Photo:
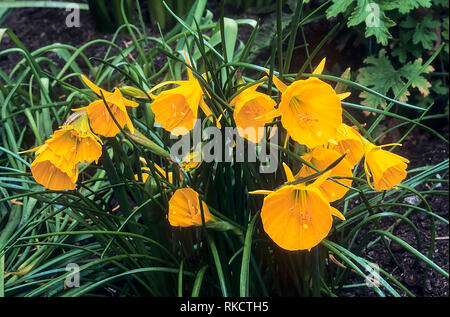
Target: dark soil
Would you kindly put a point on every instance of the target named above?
(39, 27)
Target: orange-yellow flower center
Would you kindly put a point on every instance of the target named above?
(297, 109)
(252, 109)
(300, 208)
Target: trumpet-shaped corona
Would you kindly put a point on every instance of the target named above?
(250, 106)
(297, 217)
(321, 158)
(177, 108)
(53, 171)
(386, 169)
(348, 141)
(184, 209)
(56, 166)
(100, 118)
(310, 109)
(76, 142)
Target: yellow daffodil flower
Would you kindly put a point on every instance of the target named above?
(52, 170)
(250, 106)
(76, 142)
(321, 158)
(310, 109)
(387, 169)
(100, 119)
(146, 172)
(184, 209)
(55, 167)
(297, 217)
(176, 109)
(348, 141)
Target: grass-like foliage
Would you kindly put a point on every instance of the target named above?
(114, 224)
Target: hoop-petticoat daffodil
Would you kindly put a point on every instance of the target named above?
(386, 169)
(321, 158)
(184, 209)
(310, 109)
(100, 118)
(176, 109)
(297, 217)
(76, 142)
(53, 171)
(56, 165)
(348, 141)
(250, 106)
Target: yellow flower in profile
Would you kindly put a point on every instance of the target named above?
(321, 158)
(310, 109)
(76, 142)
(297, 217)
(184, 209)
(348, 141)
(52, 170)
(55, 167)
(387, 169)
(100, 119)
(250, 106)
(176, 109)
